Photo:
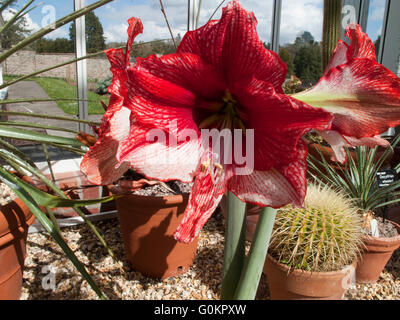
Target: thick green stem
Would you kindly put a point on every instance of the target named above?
(331, 29)
(250, 278)
(235, 237)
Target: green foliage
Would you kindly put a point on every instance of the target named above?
(308, 63)
(322, 237)
(157, 47)
(14, 32)
(14, 37)
(95, 40)
(59, 45)
(357, 178)
(60, 89)
(103, 85)
(285, 56)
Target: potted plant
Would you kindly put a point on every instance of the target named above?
(358, 179)
(29, 197)
(149, 213)
(15, 219)
(314, 250)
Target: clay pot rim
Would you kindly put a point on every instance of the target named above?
(383, 241)
(169, 200)
(29, 220)
(292, 271)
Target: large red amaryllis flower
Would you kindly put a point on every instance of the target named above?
(221, 78)
(363, 95)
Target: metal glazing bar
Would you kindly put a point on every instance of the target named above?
(81, 68)
(389, 51)
(276, 25)
(192, 10)
(363, 14)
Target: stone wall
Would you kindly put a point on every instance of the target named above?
(26, 62)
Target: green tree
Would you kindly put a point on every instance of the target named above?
(285, 56)
(308, 64)
(95, 40)
(13, 33)
(59, 45)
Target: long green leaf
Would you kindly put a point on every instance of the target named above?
(36, 125)
(15, 17)
(4, 85)
(19, 164)
(19, 188)
(46, 116)
(21, 134)
(59, 23)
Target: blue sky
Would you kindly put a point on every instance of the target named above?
(297, 16)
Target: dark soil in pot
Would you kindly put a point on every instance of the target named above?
(149, 214)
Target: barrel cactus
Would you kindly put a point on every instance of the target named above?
(323, 236)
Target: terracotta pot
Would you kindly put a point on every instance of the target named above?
(15, 219)
(375, 257)
(290, 284)
(147, 225)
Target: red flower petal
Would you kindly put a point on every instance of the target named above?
(275, 187)
(187, 71)
(360, 46)
(232, 45)
(100, 161)
(203, 201)
(338, 142)
(161, 160)
(278, 122)
(363, 95)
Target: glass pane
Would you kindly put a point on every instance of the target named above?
(261, 9)
(115, 14)
(300, 39)
(375, 22)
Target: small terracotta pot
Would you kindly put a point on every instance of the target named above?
(291, 284)
(375, 257)
(15, 219)
(147, 225)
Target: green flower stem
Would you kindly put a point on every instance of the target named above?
(235, 237)
(250, 278)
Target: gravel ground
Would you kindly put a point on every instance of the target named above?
(202, 281)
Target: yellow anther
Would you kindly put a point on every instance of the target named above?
(228, 97)
(220, 168)
(205, 166)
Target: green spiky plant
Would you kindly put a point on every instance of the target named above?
(357, 178)
(33, 197)
(323, 236)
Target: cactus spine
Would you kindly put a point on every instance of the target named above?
(331, 29)
(324, 236)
